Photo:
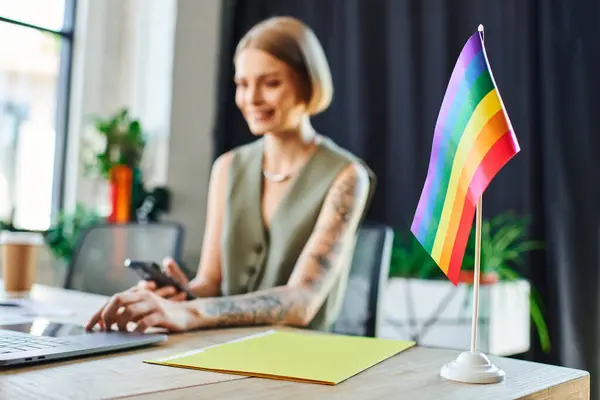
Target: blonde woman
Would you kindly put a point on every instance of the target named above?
(283, 211)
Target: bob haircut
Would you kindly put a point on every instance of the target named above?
(294, 43)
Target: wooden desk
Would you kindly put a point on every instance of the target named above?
(413, 374)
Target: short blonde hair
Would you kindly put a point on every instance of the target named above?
(294, 43)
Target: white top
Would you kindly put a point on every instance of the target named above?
(24, 238)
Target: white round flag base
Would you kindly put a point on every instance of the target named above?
(472, 367)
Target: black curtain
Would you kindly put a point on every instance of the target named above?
(391, 61)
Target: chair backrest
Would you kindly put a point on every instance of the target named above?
(359, 314)
(97, 265)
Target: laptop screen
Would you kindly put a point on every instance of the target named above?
(43, 327)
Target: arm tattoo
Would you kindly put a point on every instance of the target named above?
(280, 305)
(344, 200)
(342, 207)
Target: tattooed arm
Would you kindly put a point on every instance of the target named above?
(293, 304)
(315, 273)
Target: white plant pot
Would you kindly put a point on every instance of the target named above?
(438, 314)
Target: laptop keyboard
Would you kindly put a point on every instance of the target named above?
(11, 342)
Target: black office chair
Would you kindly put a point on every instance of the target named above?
(359, 314)
(97, 265)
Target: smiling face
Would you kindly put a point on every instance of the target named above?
(268, 93)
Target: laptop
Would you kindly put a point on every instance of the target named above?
(39, 340)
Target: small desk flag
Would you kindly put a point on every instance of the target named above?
(473, 140)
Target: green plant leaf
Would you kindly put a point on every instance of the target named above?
(508, 274)
(537, 298)
(529, 246)
(540, 324)
(125, 142)
(62, 237)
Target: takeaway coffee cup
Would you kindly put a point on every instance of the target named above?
(19, 259)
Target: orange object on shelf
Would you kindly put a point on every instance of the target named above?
(121, 180)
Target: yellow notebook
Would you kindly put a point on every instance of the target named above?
(305, 357)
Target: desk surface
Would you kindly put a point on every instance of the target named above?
(413, 373)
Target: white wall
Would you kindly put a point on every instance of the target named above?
(159, 58)
(192, 115)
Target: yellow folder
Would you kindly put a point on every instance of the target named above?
(304, 357)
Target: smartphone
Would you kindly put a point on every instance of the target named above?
(150, 271)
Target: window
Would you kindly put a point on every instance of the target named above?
(35, 62)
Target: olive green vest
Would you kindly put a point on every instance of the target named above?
(256, 258)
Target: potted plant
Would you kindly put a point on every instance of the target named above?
(118, 140)
(64, 234)
(421, 304)
(114, 153)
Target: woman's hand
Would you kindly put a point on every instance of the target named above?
(146, 309)
(170, 268)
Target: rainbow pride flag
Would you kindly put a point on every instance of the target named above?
(473, 140)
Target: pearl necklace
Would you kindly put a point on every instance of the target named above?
(275, 177)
